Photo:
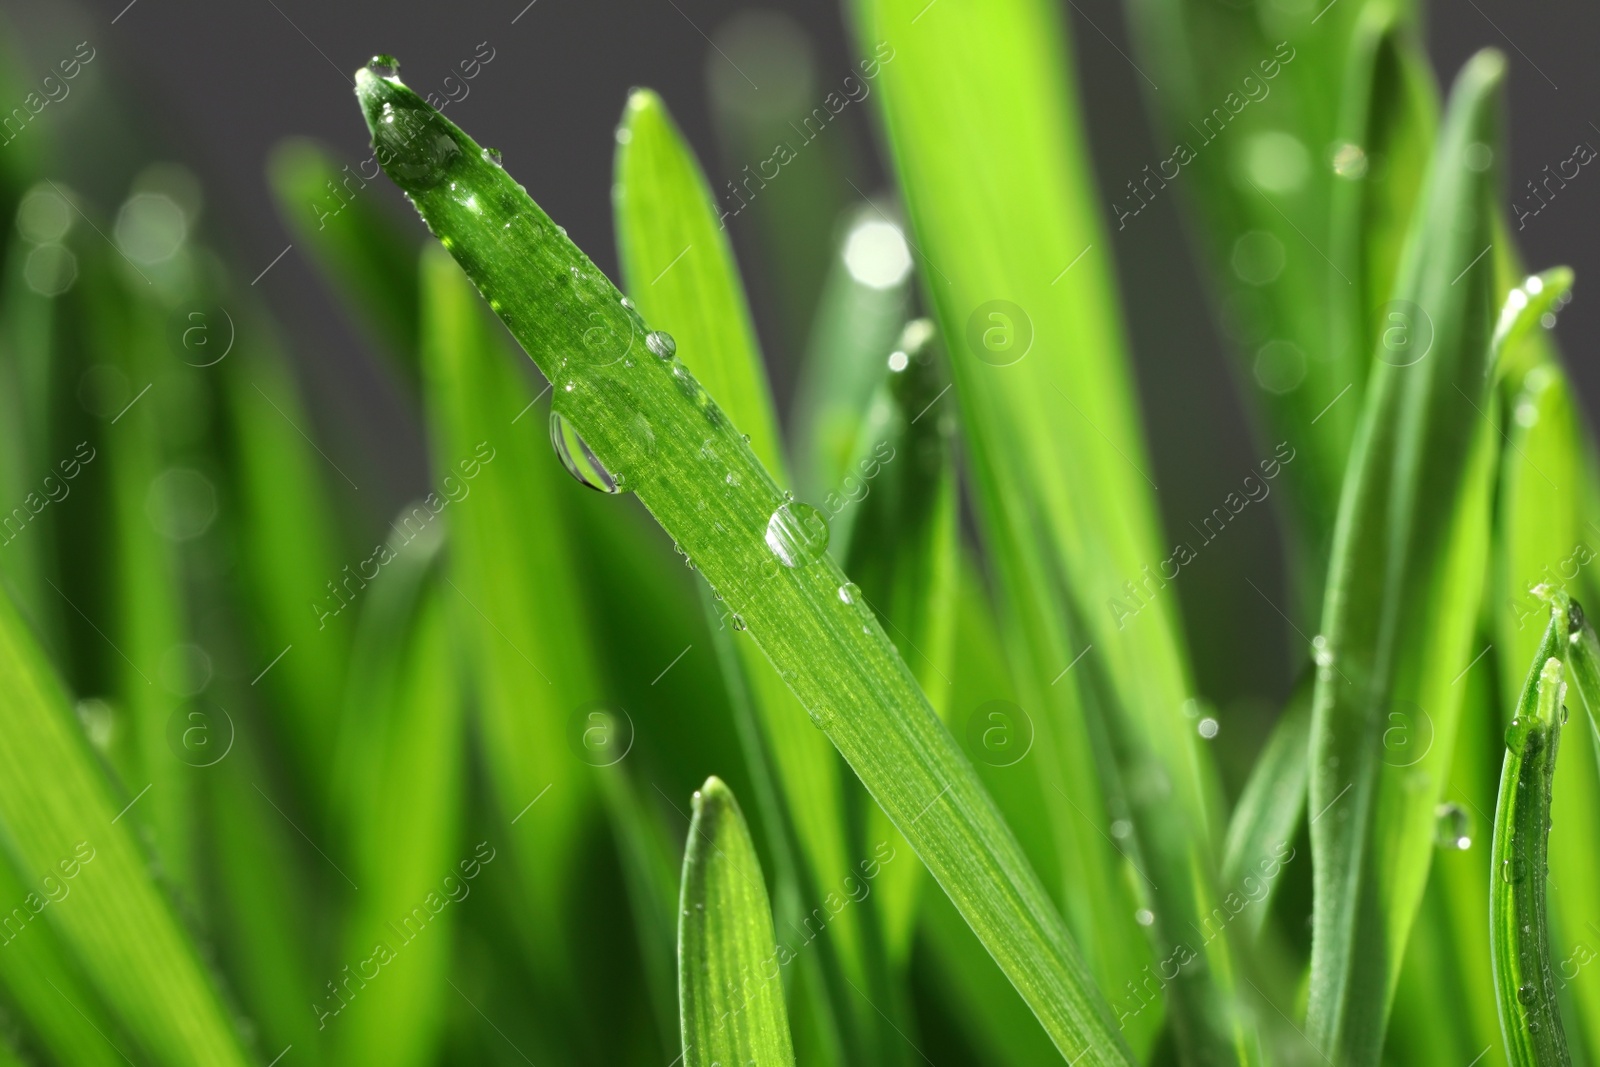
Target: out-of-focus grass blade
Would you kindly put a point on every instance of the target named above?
(1388, 119)
(44, 982)
(1513, 352)
(62, 823)
(148, 617)
(863, 305)
(1267, 817)
(399, 774)
(730, 990)
(353, 240)
(680, 269)
(994, 173)
(513, 584)
(650, 423)
(898, 508)
(1530, 1018)
(1408, 565)
(293, 583)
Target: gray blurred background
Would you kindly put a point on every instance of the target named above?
(216, 85)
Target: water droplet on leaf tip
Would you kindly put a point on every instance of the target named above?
(384, 65)
(661, 343)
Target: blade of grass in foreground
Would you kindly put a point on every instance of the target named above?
(1408, 564)
(730, 989)
(1530, 1019)
(993, 168)
(657, 432)
(60, 818)
(1265, 821)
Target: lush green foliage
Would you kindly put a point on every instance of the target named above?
(285, 778)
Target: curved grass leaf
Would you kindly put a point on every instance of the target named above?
(58, 816)
(1267, 817)
(1530, 1019)
(730, 990)
(679, 267)
(400, 780)
(1409, 556)
(992, 166)
(661, 435)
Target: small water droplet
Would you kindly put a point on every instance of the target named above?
(1533, 1026)
(1144, 917)
(661, 343)
(1526, 993)
(1208, 728)
(1121, 828)
(579, 460)
(1517, 735)
(1563, 715)
(738, 622)
(797, 534)
(849, 592)
(1513, 869)
(627, 303)
(731, 478)
(493, 156)
(1452, 827)
(1575, 617)
(562, 230)
(384, 66)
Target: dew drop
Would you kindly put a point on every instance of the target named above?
(413, 144)
(384, 66)
(1526, 993)
(580, 461)
(1516, 735)
(1513, 869)
(849, 592)
(628, 304)
(738, 622)
(492, 155)
(1208, 728)
(661, 343)
(1144, 917)
(797, 534)
(1452, 827)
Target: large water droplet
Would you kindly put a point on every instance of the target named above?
(384, 66)
(797, 534)
(661, 343)
(576, 456)
(1452, 827)
(413, 144)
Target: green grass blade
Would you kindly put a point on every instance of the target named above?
(730, 989)
(1530, 1018)
(57, 811)
(897, 507)
(865, 300)
(655, 427)
(353, 240)
(1403, 593)
(993, 170)
(1267, 817)
(679, 267)
(400, 776)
